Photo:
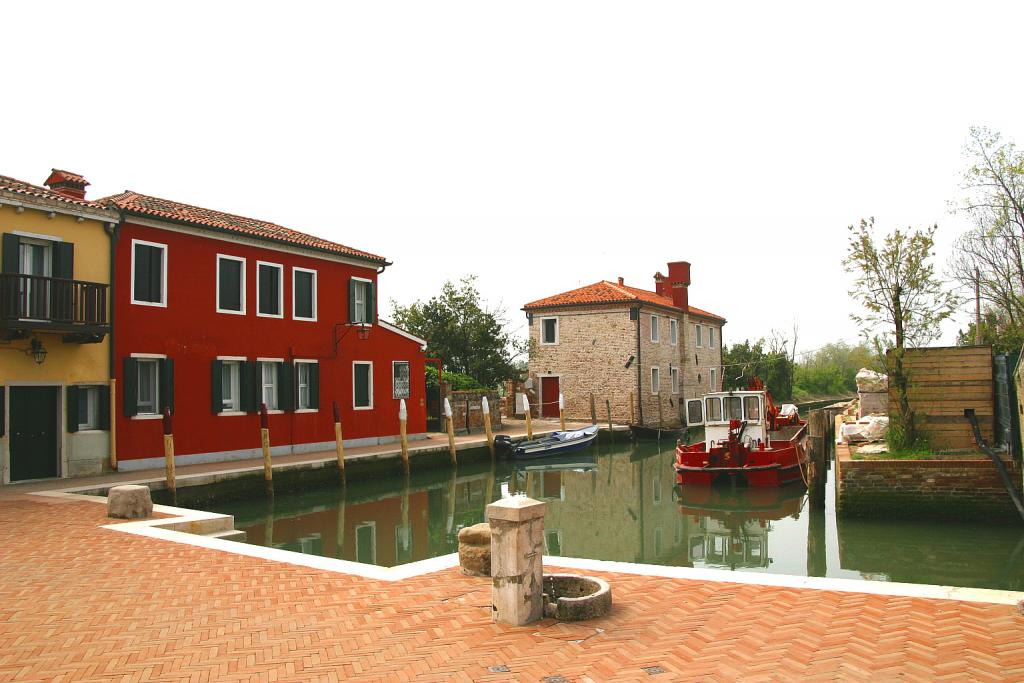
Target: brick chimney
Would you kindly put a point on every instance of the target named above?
(67, 183)
(659, 284)
(679, 284)
(621, 281)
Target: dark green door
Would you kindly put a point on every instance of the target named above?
(33, 427)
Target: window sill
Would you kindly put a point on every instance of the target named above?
(307, 410)
(230, 312)
(90, 430)
(303, 320)
(158, 304)
(270, 315)
(147, 416)
(362, 408)
(231, 413)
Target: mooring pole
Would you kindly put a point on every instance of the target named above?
(451, 431)
(561, 411)
(529, 419)
(172, 484)
(268, 470)
(485, 408)
(339, 442)
(403, 416)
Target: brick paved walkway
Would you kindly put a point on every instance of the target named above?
(78, 602)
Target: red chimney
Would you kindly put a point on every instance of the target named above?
(659, 283)
(621, 281)
(679, 284)
(67, 183)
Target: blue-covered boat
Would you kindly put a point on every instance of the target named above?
(556, 443)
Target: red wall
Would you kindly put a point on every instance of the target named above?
(193, 334)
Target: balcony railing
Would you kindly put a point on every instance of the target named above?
(68, 304)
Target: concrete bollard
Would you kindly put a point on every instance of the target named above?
(517, 549)
(129, 501)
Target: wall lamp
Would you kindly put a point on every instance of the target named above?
(630, 361)
(37, 351)
(363, 332)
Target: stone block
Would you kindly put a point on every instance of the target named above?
(475, 550)
(130, 501)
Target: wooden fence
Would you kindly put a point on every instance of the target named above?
(941, 383)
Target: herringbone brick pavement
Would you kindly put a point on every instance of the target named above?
(78, 602)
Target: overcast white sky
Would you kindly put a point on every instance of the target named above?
(539, 145)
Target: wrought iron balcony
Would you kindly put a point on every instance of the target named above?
(47, 304)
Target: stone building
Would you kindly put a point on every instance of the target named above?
(643, 351)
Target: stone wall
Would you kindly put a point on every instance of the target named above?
(701, 360)
(594, 345)
(925, 489)
(467, 415)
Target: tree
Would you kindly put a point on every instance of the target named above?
(904, 302)
(832, 370)
(989, 259)
(460, 329)
(742, 362)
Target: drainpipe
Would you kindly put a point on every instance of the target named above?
(113, 230)
(639, 371)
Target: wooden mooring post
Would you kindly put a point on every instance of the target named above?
(172, 484)
(561, 411)
(339, 442)
(485, 408)
(451, 431)
(268, 468)
(403, 417)
(817, 452)
(529, 419)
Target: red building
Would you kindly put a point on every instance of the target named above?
(215, 314)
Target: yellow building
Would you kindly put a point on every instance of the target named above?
(55, 325)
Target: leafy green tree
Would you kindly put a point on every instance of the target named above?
(903, 303)
(469, 337)
(743, 362)
(832, 370)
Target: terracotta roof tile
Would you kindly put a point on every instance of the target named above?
(144, 205)
(20, 187)
(605, 292)
(57, 175)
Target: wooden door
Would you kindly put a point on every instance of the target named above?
(34, 433)
(549, 390)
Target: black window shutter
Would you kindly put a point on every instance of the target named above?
(130, 387)
(72, 409)
(12, 253)
(314, 386)
(216, 387)
(246, 375)
(141, 280)
(103, 397)
(167, 384)
(285, 386)
(64, 260)
(352, 301)
(3, 395)
(371, 303)
(156, 267)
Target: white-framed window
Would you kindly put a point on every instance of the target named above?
(548, 331)
(231, 386)
(230, 284)
(269, 383)
(656, 489)
(697, 335)
(361, 300)
(711, 337)
(366, 542)
(655, 380)
(88, 408)
(655, 332)
(673, 374)
(552, 541)
(269, 290)
(303, 294)
(149, 273)
(362, 385)
(400, 379)
(673, 331)
(148, 396)
(714, 379)
(304, 385)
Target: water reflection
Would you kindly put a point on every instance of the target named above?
(622, 504)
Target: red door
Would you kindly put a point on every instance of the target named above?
(549, 396)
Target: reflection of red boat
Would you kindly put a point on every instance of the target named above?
(748, 439)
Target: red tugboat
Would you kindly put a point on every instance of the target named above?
(747, 440)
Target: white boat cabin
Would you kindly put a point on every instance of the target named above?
(715, 411)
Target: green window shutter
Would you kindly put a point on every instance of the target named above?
(72, 409)
(12, 253)
(217, 387)
(246, 375)
(3, 412)
(130, 387)
(314, 386)
(167, 384)
(285, 386)
(351, 300)
(371, 303)
(361, 380)
(64, 260)
(156, 268)
(104, 407)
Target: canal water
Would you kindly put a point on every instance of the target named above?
(620, 502)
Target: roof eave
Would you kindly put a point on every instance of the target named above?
(96, 213)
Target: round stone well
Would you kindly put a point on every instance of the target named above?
(571, 597)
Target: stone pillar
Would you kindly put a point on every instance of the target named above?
(517, 547)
